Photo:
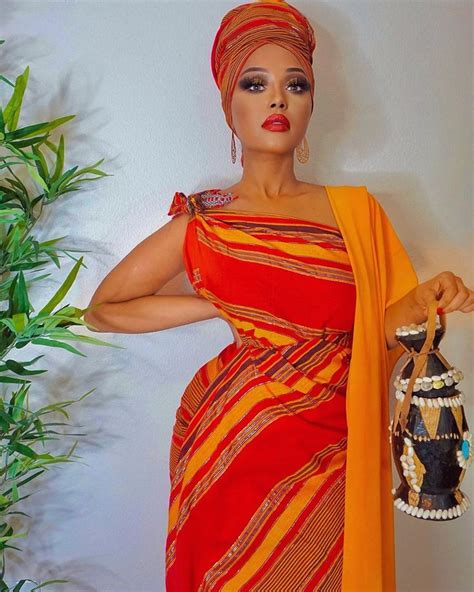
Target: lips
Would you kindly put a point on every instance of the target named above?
(276, 123)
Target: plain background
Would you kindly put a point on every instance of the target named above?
(393, 111)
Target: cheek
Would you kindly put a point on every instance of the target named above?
(302, 114)
(304, 106)
(236, 109)
(246, 113)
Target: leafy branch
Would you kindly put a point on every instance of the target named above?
(23, 430)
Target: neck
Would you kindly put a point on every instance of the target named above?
(268, 176)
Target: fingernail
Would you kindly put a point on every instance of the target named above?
(440, 311)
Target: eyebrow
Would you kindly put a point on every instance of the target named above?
(265, 70)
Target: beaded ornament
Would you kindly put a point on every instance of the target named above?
(198, 202)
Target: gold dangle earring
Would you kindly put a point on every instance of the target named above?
(233, 149)
(302, 152)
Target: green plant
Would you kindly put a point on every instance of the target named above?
(21, 428)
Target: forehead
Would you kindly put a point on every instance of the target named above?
(273, 57)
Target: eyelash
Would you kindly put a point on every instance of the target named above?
(247, 82)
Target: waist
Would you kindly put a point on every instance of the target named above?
(306, 364)
(338, 337)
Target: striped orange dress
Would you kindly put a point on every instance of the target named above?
(258, 451)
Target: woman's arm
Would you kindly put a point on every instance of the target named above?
(402, 312)
(397, 269)
(151, 313)
(445, 287)
(126, 300)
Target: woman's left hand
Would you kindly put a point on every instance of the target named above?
(449, 290)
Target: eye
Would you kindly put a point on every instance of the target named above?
(247, 83)
(301, 82)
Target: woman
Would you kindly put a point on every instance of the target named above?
(280, 463)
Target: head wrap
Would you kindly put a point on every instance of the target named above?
(248, 26)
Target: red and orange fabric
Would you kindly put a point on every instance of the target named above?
(280, 464)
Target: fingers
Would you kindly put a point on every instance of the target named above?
(455, 295)
(468, 305)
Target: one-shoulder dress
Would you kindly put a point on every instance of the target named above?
(258, 451)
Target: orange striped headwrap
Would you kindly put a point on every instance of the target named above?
(248, 26)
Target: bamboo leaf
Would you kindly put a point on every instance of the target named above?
(17, 410)
(20, 297)
(31, 130)
(56, 185)
(6, 80)
(54, 343)
(20, 321)
(51, 146)
(25, 156)
(29, 142)
(13, 108)
(63, 290)
(41, 164)
(70, 189)
(52, 241)
(22, 449)
(9, 164)
(17, 183)
(13, 536)
(27, 479)
(11, 380)
(8, 323)
(47, 583)
(59, 160)
(85, 339)
(19, 368)
(34, 173)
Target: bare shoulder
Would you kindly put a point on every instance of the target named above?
(170, 237)
(310, 201)
(318, 204)
(151, 263)
(304, 188)
(313, 189)
(160, 254)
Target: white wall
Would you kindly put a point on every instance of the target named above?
(392, 111)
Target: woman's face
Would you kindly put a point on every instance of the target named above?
(260, 93)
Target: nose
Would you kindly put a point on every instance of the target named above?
(280, 104)
(278, 99)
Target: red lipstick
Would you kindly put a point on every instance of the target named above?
(276, 123)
